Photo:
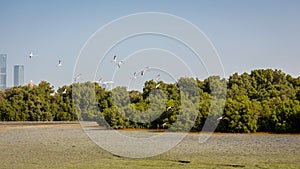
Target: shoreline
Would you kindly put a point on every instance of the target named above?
(37, 122)
(20, 124)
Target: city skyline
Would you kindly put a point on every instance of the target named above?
(18, 73)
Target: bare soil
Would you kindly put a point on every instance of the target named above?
(66, 145)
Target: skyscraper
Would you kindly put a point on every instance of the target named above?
(3, 58)
(18, 75)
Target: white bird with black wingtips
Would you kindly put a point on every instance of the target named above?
(157, 78)
(134, 76)
(144, 71)
(30, 55)
(119, 64)
(115, 59)
(59, 63)
(99, 81)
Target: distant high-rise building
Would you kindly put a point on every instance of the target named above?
(18, 75)
(3, 58)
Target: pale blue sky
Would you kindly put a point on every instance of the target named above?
(247, 34)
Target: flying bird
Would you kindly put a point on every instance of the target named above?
(157, 78)
(134, 76)
(30, 55)
(119, 64)
(77, 77)
(99, 81)
(59, 63)
(115, 59)
(144, 70)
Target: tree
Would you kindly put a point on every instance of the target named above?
(240, 115)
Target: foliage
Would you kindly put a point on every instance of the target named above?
(265, 100)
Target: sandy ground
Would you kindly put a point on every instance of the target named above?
(66, 145)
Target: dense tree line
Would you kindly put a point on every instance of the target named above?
(36, 103)
(265, 100)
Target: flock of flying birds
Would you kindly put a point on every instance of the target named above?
(119, 63)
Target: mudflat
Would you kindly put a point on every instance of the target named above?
(66, 145)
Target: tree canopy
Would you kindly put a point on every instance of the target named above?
(265, 100)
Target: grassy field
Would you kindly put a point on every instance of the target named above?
(65, 145)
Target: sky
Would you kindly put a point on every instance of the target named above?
(246, 35)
